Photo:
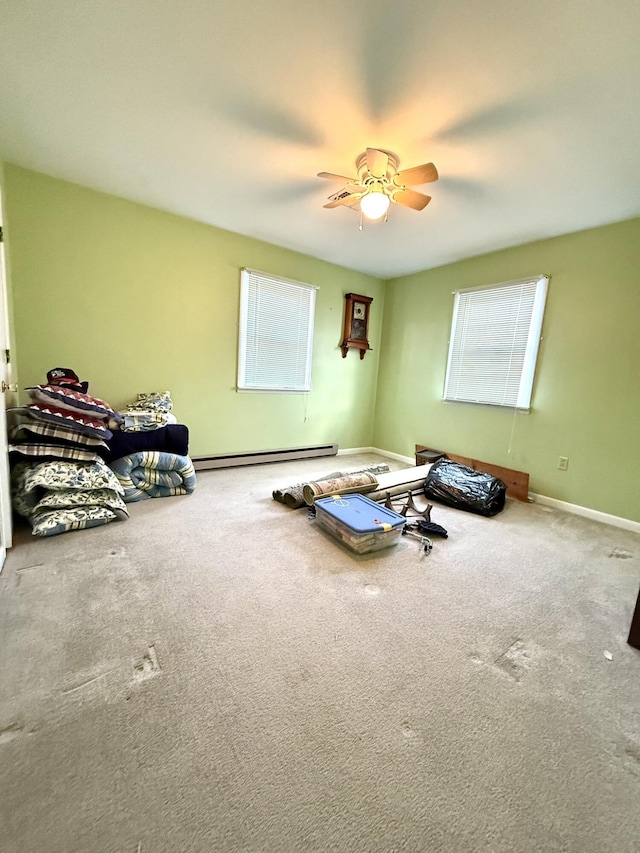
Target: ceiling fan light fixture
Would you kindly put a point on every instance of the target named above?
(375, 203)
(379, 183)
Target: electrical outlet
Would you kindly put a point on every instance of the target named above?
(563, 463)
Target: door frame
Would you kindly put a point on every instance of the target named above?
(6, 519)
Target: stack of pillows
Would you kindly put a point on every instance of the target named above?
(57, 444)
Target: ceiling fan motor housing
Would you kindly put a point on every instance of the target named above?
(366, 176)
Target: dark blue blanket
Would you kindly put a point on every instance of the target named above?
(173, 438)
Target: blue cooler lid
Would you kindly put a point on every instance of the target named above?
(361, 514)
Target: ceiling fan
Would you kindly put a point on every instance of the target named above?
(379, 182)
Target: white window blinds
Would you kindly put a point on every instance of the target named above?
(494, 343)
(276, 333)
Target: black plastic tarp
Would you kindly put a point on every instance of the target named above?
(463, 488)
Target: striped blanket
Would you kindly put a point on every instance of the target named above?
(154, 474)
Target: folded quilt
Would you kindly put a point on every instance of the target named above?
(149, 412)
(43, 450)
(154, 401)
(24, 432)
(173, 438)
(134, 421)
(50, 441)
(154, 474)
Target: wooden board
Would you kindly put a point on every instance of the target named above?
(517, 482)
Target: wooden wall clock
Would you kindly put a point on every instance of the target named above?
(355, 333)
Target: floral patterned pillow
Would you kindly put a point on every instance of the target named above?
(64, 520)
(59, 474)
(23, 502)
(155, 401)
(70, 498)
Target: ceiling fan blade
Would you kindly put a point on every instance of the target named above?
(331, 177)
(417, 175)
(410, 198)
(343, 197)
(377, 162)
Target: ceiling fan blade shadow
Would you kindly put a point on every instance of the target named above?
(488, 121)
(424, 174)
(410, 198)
(272, 121)
(472, 190)
(287, 192)
(387, 50)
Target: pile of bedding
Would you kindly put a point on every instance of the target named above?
(64, 440)
(61, 422)
(59, 480)
(150, 452)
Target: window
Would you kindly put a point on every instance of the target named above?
(494, 343)
(276, 333)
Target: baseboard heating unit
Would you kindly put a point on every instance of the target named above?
(232, 460)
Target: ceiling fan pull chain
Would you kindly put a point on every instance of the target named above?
(360, 226)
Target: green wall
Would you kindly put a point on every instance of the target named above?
(586, 400)
(134, 299)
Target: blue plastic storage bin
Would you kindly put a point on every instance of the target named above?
(362, 524)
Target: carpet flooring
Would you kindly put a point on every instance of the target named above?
(218, 674)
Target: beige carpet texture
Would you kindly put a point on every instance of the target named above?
(218, 674)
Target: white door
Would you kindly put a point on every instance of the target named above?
(5, 380)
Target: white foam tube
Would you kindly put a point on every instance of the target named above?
(400, 489)
(403, 475)
(398, 482)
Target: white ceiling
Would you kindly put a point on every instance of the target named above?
(225, 111)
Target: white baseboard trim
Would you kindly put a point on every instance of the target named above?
(350, 451)
(585, 512)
